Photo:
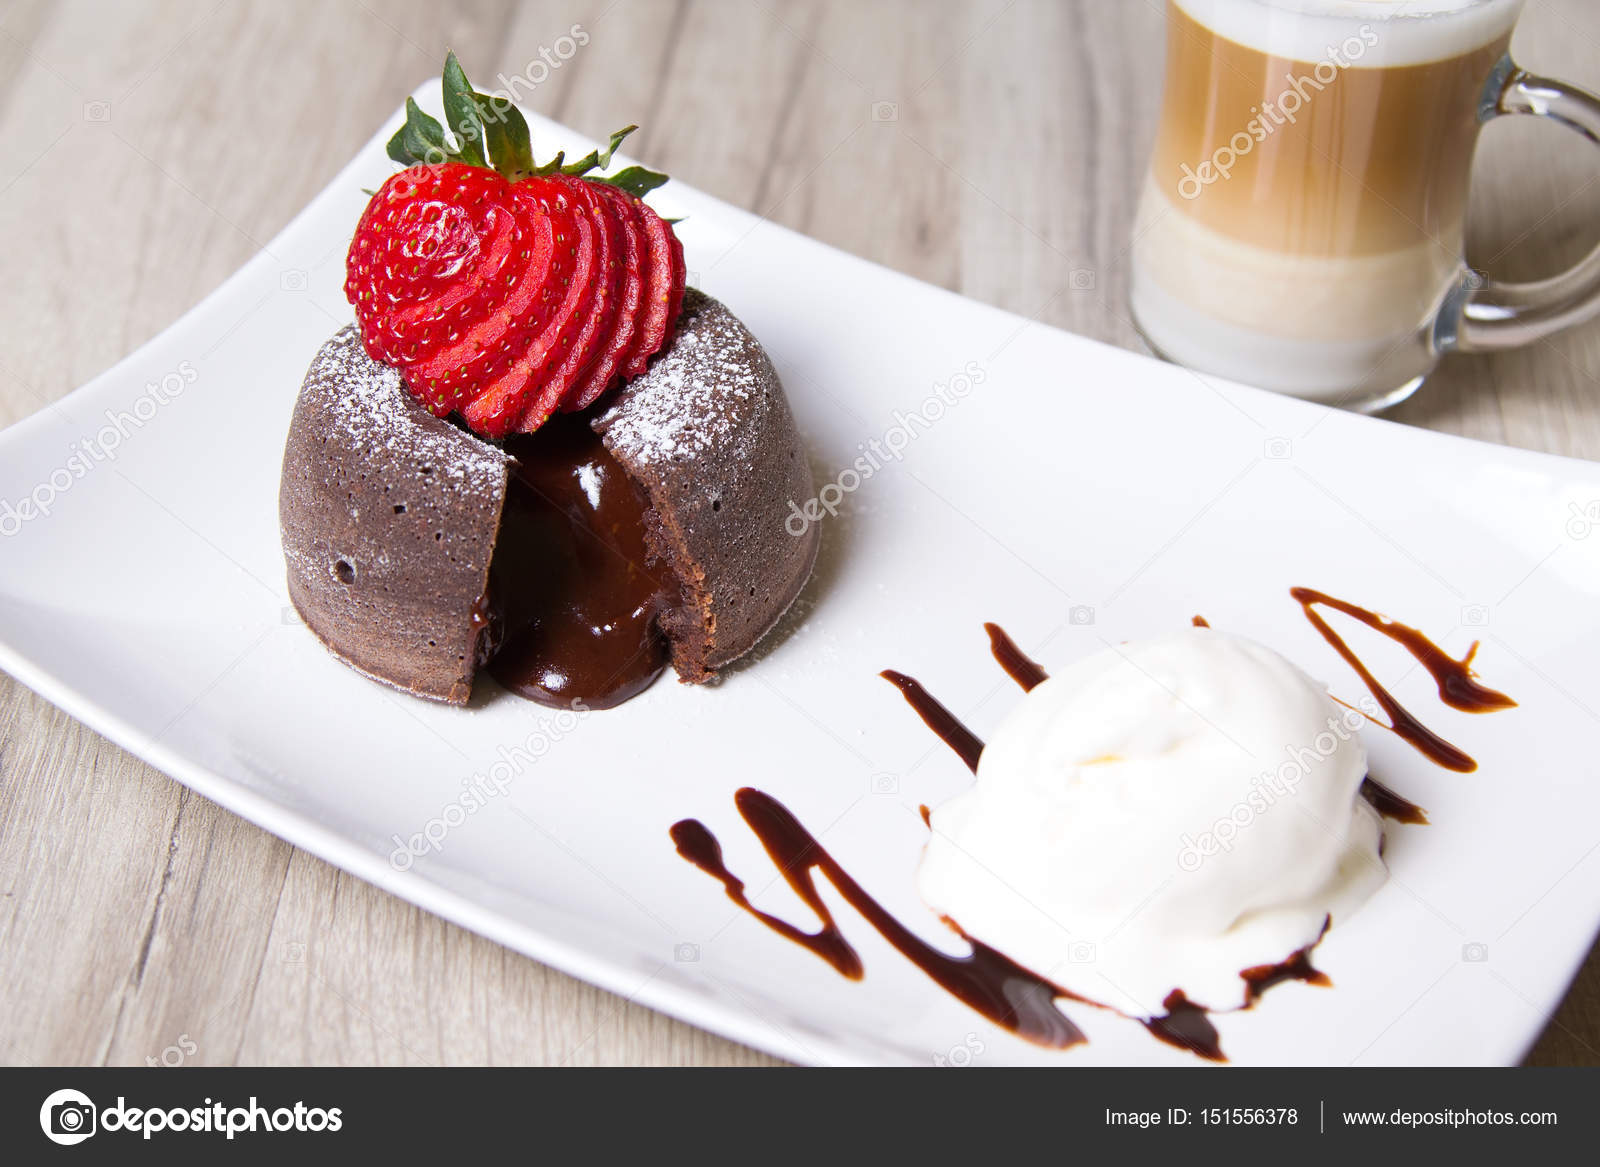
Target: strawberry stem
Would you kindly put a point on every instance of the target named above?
(488, 130)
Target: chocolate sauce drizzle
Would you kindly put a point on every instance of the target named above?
(991, 983)
(700, 847)
(1297, 968)
(1024, 671)
(1391, 805)
(1003, 991)
(1458, 688)
(1187, 1026)
(939, 719)
(1011, 996)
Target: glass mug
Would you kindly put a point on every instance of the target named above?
(1302, 219)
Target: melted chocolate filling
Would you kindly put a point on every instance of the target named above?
(572, 588)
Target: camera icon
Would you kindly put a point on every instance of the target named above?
(1080, 614)
(1584, 519)
(288, 615)
(1082, 279)
(884, 784)
(965, 1054)
(1474, 280)
(97, 111)
(1475, 615)
(294, 953)
(72, 1118)
(293, 280)
(1277, 449)
(1081, 952)
(885, 111)
(686, 953)
(692, 279)
(67, 1117)
(1475, 953)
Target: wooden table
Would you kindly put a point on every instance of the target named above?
(992, 147)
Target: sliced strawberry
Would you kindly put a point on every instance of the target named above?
(541, 406)
(501, 404)
(680, 283)
(495, 245)
(447, 384)
(430, 237)
(467, 358)
(655, 316)
(609, 274)
(547, 385)
(503, 289)
(624, 326)
(474, 296)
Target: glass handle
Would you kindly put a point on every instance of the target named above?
(1496, 315)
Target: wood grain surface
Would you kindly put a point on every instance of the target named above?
(992, 147)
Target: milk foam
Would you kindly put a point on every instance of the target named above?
(1368, 371)
(1313, 326)
(1407, 32)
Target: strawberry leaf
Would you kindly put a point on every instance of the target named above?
(636, 180)
(506, 134)
(594, 159)
(552, 166)
(397, 149)
(420, 141)
(502, 132)
(461, 110)
(488, 130)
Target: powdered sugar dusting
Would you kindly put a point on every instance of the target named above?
(368, 409)
(698, 395)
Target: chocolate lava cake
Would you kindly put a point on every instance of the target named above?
(419, 552)
(537, 451)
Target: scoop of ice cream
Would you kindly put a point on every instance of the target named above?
(1162, 815)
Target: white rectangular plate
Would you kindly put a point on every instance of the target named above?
(1080, 495)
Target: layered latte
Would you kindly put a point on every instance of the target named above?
(1301, 224)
